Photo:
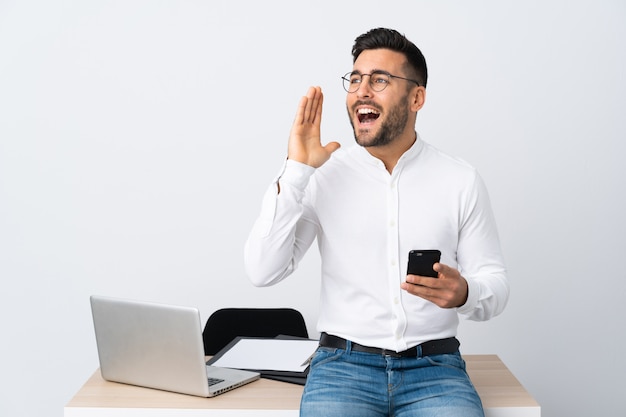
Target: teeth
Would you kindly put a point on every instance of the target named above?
(367, 111)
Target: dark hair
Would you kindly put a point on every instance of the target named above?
(382, 38)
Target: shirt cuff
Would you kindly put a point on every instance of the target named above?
(473, 293)
(295, 174)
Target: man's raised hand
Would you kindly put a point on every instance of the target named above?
(305, 144)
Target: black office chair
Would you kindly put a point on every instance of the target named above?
(226, 324)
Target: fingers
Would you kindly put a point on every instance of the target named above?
(305, 144)
(447, 291)
(318, 101)
(418, 280)
(427, 292)
(442, 296)
(310, 107)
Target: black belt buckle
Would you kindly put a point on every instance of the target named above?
(392, 353)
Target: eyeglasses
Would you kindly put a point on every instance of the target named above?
(378, 81)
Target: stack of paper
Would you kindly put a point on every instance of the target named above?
(285, 359)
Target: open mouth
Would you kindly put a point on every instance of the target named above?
(367, 115)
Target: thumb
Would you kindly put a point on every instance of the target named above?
(332, 147)
(440, 268)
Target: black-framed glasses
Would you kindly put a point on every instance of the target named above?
(378, 80)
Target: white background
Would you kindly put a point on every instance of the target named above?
(137, 139)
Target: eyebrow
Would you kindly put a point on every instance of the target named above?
(374, 71)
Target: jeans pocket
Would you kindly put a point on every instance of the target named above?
(453, 360)
(324, 355)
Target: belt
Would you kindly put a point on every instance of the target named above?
(432, 347)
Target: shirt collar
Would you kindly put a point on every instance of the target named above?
(409, 155)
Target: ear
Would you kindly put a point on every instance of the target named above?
(418, 98)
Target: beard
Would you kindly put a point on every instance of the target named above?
(389, 130)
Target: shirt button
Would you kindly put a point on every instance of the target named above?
(396, 301)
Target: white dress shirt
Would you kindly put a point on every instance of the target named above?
(366, 221)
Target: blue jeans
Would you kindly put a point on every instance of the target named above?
(344, 383)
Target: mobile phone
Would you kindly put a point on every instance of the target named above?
(421, 262)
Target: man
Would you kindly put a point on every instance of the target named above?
(388, 345)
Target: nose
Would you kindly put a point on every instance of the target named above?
(365, 88)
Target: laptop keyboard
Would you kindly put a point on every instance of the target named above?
(213, 381)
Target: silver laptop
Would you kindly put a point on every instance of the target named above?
(158, 346)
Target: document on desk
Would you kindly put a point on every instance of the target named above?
(268, 355)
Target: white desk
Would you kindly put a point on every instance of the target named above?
(500, 391)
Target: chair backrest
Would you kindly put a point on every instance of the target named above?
(226, 324)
